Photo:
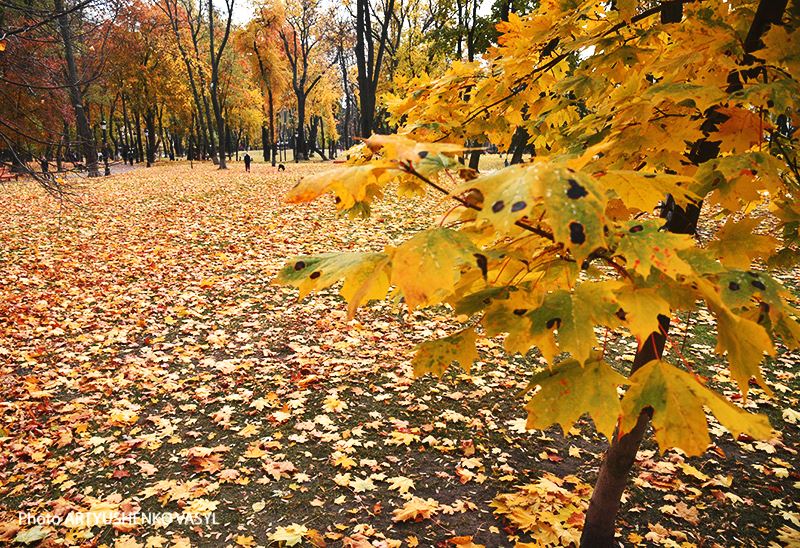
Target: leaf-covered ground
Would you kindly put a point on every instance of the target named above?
(146, 363)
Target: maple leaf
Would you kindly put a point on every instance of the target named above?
(291, 534)
(362, 485)
(402, 149)
(644, 246)
(441, 253)
(352, 185)
(746, 342)
(366, 275)
(742, 130)
(575, 210)
(570, 389)
(436, 356)
(640, 310)
(464, 542)
(643, 191)
(246, 541)
(401, 484)
(34, 534)
(507, 195)
(416, 509)
(573, 315)
(677, 399)
(736, 245)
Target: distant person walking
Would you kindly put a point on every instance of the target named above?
(247, 160)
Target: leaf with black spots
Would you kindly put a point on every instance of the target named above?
(508, 194)
(365, 275)
(575, 210)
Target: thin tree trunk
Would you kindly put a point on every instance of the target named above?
(300, 138)
(139, 147)
(271, 111)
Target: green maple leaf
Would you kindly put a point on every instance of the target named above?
(574, 316)
(570, 389)
(644, 246)
(436, 356)
(575, 210)
(677, 399)
(366, 275)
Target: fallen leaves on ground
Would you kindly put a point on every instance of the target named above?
(148, 365)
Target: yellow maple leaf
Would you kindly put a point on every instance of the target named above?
(416, 509)
(401, 484)
(351, 184)
(677, 399)
(427, 267)
(737, 245)
(640, 310)
(291, 534)
(643, 191)
(570, 389)
(436, 356)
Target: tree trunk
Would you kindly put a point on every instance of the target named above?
(300, 144)
(265, 144)
(86, 142)
(271, 112)
(518, 143)
(139, 147)
(474, 159)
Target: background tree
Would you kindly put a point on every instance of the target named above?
(215, 56)
(303, 43)
(372, 22)
(260, 42)
(186, 20)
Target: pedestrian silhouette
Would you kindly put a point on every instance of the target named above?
(247, 161)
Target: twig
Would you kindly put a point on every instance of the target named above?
(408, 168)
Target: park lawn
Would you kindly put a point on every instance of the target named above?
(147, 363)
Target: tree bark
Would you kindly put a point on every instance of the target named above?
(86, 141)
(518, 143)
(300, 138)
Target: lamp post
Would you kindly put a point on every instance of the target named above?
(147, 147)
(104, 127)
